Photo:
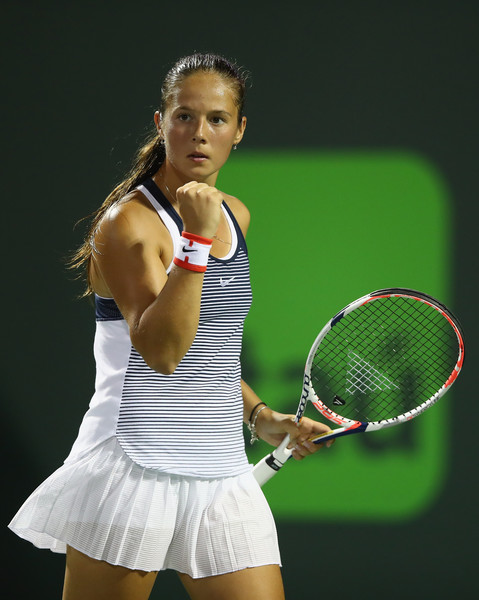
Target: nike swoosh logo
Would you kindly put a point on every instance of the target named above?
(224, 282)
(186, 249)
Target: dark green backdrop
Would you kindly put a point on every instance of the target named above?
(80, 83)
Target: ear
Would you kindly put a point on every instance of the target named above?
(240, 132)
(157, 119)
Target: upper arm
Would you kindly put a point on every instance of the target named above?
(127, 257)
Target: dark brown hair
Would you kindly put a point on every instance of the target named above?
(151, 155)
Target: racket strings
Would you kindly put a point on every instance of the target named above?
(384, 359)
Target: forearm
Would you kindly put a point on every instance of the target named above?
(166, 329)
(250, 400)
(272, 426)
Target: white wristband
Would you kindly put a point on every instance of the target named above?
(193, 252)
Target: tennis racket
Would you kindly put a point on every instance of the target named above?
(381, 361)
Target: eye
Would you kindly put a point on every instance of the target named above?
(183, 116)
(217, 120)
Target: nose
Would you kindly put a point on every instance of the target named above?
(200, 131)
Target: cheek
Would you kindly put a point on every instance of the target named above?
(226, 139)
(174, 137)
(172, 132)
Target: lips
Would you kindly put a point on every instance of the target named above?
(197, 156)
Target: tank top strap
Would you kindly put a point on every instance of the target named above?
(166, 212)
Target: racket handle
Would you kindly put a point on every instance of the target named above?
(272, 463)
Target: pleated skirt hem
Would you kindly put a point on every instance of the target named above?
(112, 509)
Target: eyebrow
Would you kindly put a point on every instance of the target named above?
(217, 111)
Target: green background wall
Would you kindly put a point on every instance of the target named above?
(362, 138)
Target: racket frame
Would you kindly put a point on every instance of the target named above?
(270, 464)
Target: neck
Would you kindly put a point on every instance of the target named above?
(168, 189)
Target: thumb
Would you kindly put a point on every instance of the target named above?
(291, 428)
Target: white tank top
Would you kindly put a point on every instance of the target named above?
(189, 422)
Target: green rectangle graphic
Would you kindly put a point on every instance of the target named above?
(326, 229)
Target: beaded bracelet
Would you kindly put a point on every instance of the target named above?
(193, 251)
(252, 423)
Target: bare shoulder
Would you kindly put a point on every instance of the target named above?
(130, 220)
(240, 211)
(129, 246)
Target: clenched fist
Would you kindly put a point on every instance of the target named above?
(200, 208)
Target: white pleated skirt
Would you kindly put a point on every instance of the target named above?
(111, 509)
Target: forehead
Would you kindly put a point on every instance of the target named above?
(208, 91)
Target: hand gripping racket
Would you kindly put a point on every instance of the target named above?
(381, 361)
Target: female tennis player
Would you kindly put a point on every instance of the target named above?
(158, 476)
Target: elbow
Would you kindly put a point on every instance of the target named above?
(161, 355)
(162, 366)
(161, 362)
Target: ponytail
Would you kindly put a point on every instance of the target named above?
(148, 160)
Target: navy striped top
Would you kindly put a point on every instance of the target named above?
(189, 422)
